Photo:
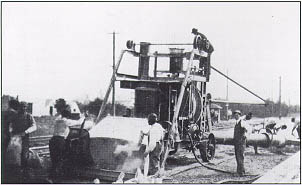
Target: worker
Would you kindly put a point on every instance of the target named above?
(247, 119)
(8, 118)
(24, 125)
(239, 141)
(249, 116)
(57, 144)
(297, 126)
(212, 113)
(155, 145)
(127, 113)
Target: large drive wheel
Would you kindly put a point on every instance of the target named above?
(206, 149)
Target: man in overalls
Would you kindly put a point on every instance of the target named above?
(57, 144)
(239, 141)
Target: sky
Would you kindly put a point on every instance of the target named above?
(54, 50)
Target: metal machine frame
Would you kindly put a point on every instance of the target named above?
(180, 98)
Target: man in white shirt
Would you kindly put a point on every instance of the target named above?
(155, 144)
(57, 144)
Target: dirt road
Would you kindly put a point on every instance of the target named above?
(183, 168)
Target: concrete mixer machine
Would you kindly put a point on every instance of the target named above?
(178, 94)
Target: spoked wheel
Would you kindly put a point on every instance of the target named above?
(206, 149)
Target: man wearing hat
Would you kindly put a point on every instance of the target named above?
(239, 141)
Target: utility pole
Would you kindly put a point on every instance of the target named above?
(227, 96)
(272, 114)
(227, 87)
(289, 106)
(113, 70)
(280, 97)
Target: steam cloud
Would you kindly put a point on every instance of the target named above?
(128, 148)
(131, 162)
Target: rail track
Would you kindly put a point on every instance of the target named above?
(39, 140)
(39, 146)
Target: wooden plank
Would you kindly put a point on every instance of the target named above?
(198, 78)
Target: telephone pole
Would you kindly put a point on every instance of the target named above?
(280, 97)
(227, 87)
(227, 97)
(113, 71)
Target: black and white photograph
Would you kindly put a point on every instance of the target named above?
(161, 92)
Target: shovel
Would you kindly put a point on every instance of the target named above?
(146, 165)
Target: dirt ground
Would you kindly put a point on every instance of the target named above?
(183, 168)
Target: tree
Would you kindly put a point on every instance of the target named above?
(93, 107)
(61, 105)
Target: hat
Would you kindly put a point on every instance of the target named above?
(237, 111)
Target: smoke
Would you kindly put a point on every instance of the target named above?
(128, 148)
(131, 164)
(132, 161)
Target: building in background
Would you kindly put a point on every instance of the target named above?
(47, 108)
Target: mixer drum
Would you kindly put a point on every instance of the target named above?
(116, 154)
(113, 148)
